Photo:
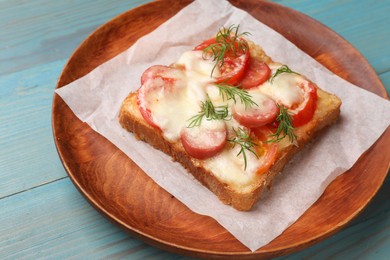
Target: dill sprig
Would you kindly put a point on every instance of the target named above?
(280, 70)
(285, 127)
(244, 140)
(209, 111)
(227, 40)
(230, 92)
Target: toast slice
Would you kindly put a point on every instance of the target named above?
(236, 188)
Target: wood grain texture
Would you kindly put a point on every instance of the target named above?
(71, 229)
(52, 31)
(34, 46)
(365, 30)
(134, 202)
(43, 216)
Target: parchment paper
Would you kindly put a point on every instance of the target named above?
(96, 99)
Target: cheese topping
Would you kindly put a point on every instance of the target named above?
(196, 66)
(229, 167)
(172, 110)
(284, 88)
(217, 128)
(258, 96)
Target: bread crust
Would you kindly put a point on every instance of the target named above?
(327, 112)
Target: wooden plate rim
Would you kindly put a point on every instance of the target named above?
(186, 249)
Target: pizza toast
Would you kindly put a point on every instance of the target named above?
(232, 116)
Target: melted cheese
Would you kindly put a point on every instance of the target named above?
(229, 167)
(172, 113)
(194, 63)
(215, 96)
(284, 88)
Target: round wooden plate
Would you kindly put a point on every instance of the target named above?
(119, 189)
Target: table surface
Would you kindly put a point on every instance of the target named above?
(42, 215)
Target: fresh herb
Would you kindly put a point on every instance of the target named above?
(229, 92)
(209, 111)
(280, 70)
(285, 127)
(244, 140)
(227, 40)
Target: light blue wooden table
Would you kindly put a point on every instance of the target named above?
(42, 215)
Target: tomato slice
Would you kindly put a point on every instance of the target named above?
(205, 44)
(256, 74)
(166, 73)
(264, 113)
(155, 79)
(270, 153)
(304, 113)
(143, 108)
(233, 69)
(267, 152)
(206, 140)
(296, 93)
(233, 66)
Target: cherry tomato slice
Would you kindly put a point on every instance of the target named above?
(206, 140)
(153, 80)
(297, 94)
(268, 152)
(256, 74)
(205, 44)
(233, 67)
(166, 73)
(145, 111)
(305, 112)
(264, 113)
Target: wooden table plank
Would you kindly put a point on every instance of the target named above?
(34, 47)
(52, 30)
(28, 155)
(55, 221)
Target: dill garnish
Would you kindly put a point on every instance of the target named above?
(285, 127)
(244, 140)
(280, 70)
(230, 92)
(209, 111)
(227, 40)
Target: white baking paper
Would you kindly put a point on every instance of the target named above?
(96, 99)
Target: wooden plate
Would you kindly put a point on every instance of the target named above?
(117, 188)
